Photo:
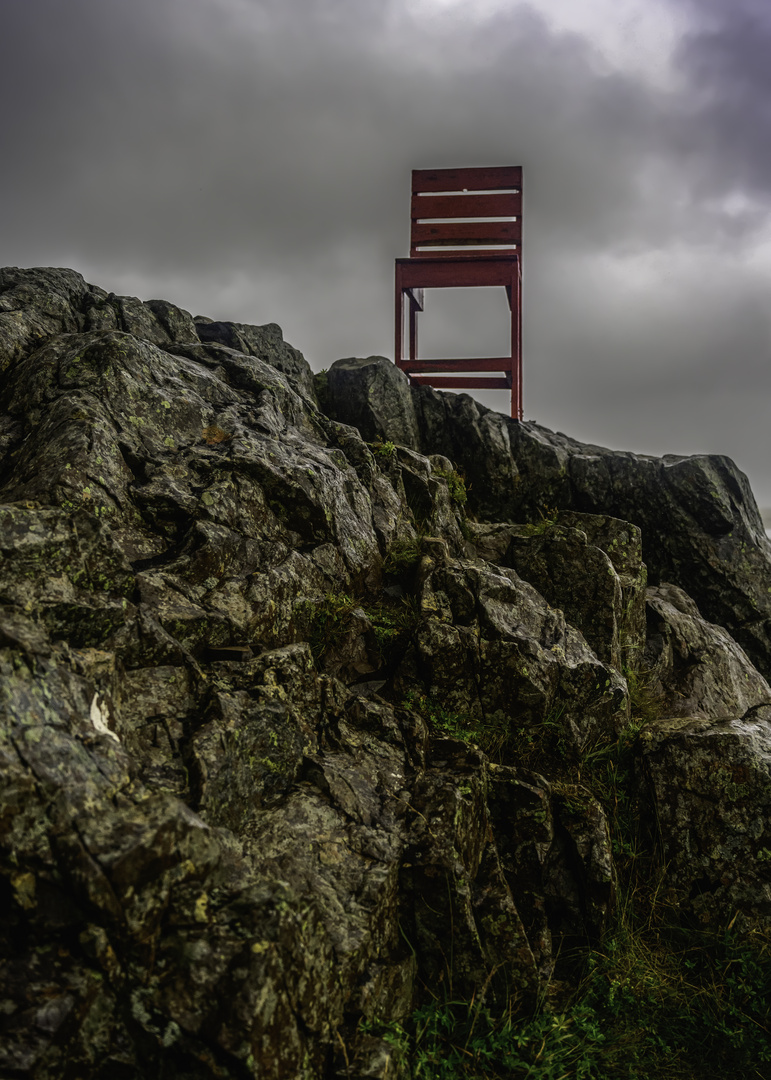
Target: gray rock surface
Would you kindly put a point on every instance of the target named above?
(589, 566)
(694, 668)
(374, 396)
(295, 727)
(700, 525)
(709, 785)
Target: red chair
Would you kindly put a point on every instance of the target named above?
(466, 232)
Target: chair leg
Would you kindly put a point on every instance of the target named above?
(519, 342)
(413, 295)
(515, 296)
(414, 309)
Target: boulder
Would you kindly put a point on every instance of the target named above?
(708, 788)
(266, 343)
(203, 485)
(694, 668)
(374, 396)
(491, 650)
(35, 305)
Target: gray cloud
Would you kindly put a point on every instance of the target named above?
(725, 58)
(251, 160)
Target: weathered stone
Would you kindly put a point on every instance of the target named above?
(452, 877)
(177, 323)
(154, 708)
(555, 852)
(700, 524)
(570, 574)
(622, 543)
(374, 396)
(709, 786)
(139, 320)
(34, 305)
(266, 343)
(490, 648)
(692, 667)
(580, 883)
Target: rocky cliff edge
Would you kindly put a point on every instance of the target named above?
(314, 693)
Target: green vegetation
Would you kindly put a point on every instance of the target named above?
(392, 623)
(454, 1039)
(658, 998)
(538, 745)
(549, 518)
(383, 449)
(489, 734)
(329, 620)
(401, 557)
(456, 485)
(661, 1003)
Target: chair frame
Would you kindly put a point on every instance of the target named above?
(438, 259)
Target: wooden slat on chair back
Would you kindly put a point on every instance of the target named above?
(441, 197)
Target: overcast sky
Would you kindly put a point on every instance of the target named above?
(250, 160)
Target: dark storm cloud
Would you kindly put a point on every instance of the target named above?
(251, 160)
(725, 58)
(293, 125)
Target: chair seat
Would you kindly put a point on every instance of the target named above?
(463, 271)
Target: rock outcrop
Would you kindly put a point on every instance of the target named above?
(295, 722)
(701, 529)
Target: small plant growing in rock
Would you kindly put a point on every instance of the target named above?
(548, 519)
(456, 485)
(328, 619)
(383, 449)
(392, 623)
(441, 721)
(534, 743)
(489, 735)
(643, 705)
(401, 557)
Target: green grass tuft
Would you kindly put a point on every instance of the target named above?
(456, 485)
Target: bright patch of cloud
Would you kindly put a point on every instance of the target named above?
(634, 35)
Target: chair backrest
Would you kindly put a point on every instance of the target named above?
(466, 212)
